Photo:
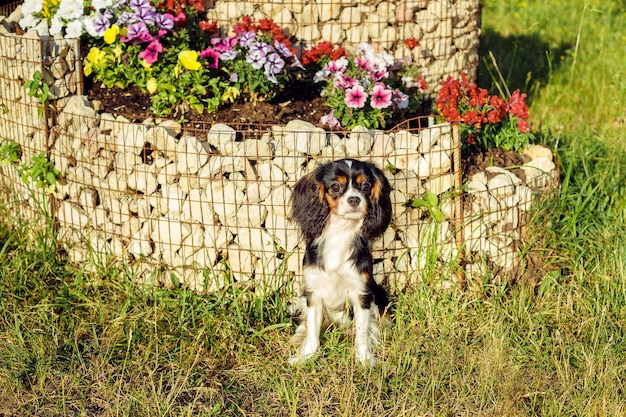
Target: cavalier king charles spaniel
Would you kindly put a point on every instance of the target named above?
(341, 208)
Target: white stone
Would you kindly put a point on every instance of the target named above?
(269, 173)
(72, 215)
(225, 198)
(256, 150)
(329, 10)
(350, 17)
(537, 151)
(142, 179)
(476, 186)
(406, 140)
(359, 142)
(439, 160)
(441, 184)
(406, 159)
(255, 239)
(222, 137)
(383, 144)
(304, 137)
(279, 200)
(192, 155)
(257, 192)
(197, 208)
(333, 32)
(501, 186)
(169, 234)
(140, 245)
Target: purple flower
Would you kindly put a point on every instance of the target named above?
(260, 47)
(224, 44)
(147, 16)
(140, 5)
(234, 77)
(126, 18)
(212, 56)
(401, 99)
(165, 21)
(100, 24)
(137, 31)
(151, 53)
(330, 120)
(274, 63)
(380, 96)
(247, 38)
(228, 55)
(355, 97)
(256, 59)
(282, 48)
(363, 63)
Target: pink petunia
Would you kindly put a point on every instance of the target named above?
(212, 56)
(151, 53)
(380, 97)
(355, 97)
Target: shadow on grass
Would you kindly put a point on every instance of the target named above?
(525, 61)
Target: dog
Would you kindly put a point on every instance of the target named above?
(341, 208)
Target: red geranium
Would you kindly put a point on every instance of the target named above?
(487, 120)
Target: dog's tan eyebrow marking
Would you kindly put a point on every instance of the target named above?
(360, 179)
(342, 179)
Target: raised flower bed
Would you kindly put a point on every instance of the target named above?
(206, 204)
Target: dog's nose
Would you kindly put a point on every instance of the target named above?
(354, 201)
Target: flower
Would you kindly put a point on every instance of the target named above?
(151, 53)
(380, 96)
(355, 97)
(189, 60)
(330, 120)
(485, 120)
(110, 35)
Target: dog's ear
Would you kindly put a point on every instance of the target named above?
(309, 206)
(379, 211)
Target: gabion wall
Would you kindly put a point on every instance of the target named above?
(210, 205)
(447, 32)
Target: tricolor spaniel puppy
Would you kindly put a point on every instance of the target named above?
(341, 207)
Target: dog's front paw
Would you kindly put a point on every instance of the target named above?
(366, 359)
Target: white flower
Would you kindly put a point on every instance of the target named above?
(89, 27)
(28, 21)
(42, 28)
(74, 29)
(101, 4)
(31, 6)
(70, 9)
(56, 25)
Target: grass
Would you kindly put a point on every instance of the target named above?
(74, 343)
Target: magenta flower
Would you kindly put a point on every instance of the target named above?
(224, 44)
(212, 56)
(363, 63)
(380, 97)
(342, 81)
(355, 97)
(151, 53)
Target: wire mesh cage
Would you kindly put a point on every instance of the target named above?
(209, 205)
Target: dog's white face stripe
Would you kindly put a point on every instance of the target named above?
(349, 163)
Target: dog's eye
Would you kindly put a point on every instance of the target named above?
(335, 187)
(365, 187)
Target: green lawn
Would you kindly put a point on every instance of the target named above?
(96, 345)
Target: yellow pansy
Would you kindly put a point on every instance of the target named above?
(87, 69)
(118, 51)
(189, 59)
(96, 56)
(110, 35)
(152, 85)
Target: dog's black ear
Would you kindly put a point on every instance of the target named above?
(309, 206)
(379, 211)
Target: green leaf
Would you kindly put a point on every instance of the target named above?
(430, 198)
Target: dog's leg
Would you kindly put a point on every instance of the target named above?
(311, 343)
(363, 321)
